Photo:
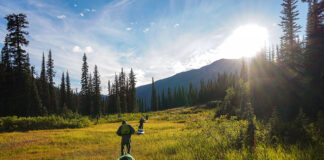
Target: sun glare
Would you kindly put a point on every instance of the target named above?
(245, 41)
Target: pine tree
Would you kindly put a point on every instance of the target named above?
(16, 24)
(62, 94)
(97, 94)
(84, 93)
(117, 98)
(68, 92)
(244, 72)
(290, 29)
(44, 91)
(153, 97)
(123, 91)
(50, 77)
(170, 98)
(90, 97)
(314, 62)
(5, 55)
(132, 92)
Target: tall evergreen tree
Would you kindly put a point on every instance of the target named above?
(116, 94)
(44, 91)
(290, 29)
(97, 95)
(16, 24)
(153, 97)
(84, 93)
(50, 77)
(62, 93)
(132, 92)
(69, 92)
(123, 91)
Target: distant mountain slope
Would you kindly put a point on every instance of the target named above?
(194, 76)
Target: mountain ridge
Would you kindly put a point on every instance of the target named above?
(207, 72)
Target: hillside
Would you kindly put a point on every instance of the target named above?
(194, 76)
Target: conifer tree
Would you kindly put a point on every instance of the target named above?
(90, 97)
(68, 92)
(153, 97)
(50, 77)
(123, 91)
(84, 93)
(244, 72)
(62, 93)
(15, 26)
(44, 91)
(132, 92)
(97, 94)
(290, 29)
(169, 97)
(117, 98)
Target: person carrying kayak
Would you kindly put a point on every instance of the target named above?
(125, 131)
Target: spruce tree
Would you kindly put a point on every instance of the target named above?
(50, 77)
(84, 85)
(15, 26)
(62, 94)
(117, 98)
(68, 92)
(290, 29)
(132, 92)
(123, 91)
(97, 94)
(44, 91)
(153, 97)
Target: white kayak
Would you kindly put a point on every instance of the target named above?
(140, 131)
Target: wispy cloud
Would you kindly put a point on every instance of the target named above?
(128, 29)
(61, 16)
(81, 14)
(146, 30)
(176, 25)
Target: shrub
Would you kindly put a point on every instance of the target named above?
(14, 123)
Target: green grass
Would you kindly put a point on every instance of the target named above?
(176, 134)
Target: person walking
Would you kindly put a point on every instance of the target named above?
(141, 124)
(125, 131)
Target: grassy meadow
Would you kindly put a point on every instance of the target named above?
(181, 133)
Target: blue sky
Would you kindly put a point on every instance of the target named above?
(157, 38)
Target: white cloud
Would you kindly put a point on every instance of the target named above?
(176, 25)
(88, 49)
(146, 30)
(81, 14)
(77, 49)
(87, 10)
(128, 29)
(61, 16)
(75, 5)
(93, 10)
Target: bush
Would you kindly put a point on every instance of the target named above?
(14, 123)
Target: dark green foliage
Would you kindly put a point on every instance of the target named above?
(96, 96)
(50, 77)
(9, 124)
(62, 93)
(69, 93)
(154, 98)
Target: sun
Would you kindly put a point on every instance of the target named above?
(245, 41)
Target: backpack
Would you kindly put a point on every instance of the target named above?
(125, 129)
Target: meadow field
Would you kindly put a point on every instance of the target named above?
(180, 133)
